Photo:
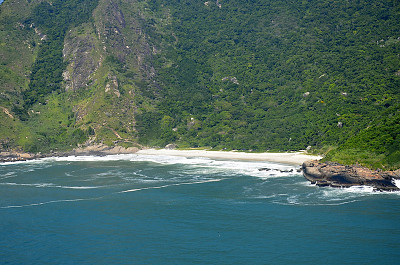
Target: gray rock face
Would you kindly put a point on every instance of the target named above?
(78, 52)
(337, 175)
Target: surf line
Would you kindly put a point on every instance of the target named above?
(170, 185)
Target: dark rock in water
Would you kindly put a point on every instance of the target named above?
(273, 169)
(337, 175)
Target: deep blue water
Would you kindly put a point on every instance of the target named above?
(133, 209)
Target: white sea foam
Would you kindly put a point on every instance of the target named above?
(396, 182)
(231, 167)
(339, 196)
(33, 161)
(360, 189)
(314, 203)
(293, 199)
(202, 165)
(329, 196)
(346, 192)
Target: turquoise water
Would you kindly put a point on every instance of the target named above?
(132, 209)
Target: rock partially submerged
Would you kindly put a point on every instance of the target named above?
(337, 175)
(280, 170)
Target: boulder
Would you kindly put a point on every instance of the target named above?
(170, 146)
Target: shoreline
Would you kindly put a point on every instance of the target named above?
(292, 158)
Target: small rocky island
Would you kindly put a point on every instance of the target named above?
(341, 176)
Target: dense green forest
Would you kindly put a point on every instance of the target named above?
(247, 75)
(275, 75)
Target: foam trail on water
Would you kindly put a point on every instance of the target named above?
(43, 203)
(49, 185)
(38, 185)
(312, 204)
(95, 198)
(78, 187)
(169, 185)
(8, 175)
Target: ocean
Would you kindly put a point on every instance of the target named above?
(143, 209)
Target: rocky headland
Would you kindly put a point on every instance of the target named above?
(342, 176)
(93, 150)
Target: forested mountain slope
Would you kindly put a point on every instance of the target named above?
(250, 75)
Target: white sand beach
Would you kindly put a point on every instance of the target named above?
(295, 158)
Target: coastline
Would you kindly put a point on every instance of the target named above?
(319, 173)
(293, 158)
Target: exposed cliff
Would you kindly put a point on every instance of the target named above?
(84, 57)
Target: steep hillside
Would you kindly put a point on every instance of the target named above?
(250, 75)
(72, 71)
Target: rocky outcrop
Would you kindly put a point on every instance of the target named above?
(120, 27)
(15, 156)
(337, 175)
(92, 150)
(170, 146)
(82, 56)
(231, 78)
(112, 85)
(101, 150)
